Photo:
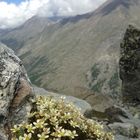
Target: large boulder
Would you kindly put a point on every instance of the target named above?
(15, 91)
(130, 66)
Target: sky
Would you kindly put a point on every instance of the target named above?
(13, 13)
(13, 1)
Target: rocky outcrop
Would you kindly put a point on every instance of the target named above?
(118, 119)
(15, 91)
(130, 66)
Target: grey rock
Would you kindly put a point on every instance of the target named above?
(125, 129)
(104, 108)
(138, 132)
(137, 116)
(117, 114)
(135, 110)
(130, 66)
(115, 117)
(99, 105)
(2, 136)
(120, 137)
(15, 91)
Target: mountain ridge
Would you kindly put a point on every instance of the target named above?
(62, 54)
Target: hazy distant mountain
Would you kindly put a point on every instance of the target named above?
(75, 55)
(18, 37)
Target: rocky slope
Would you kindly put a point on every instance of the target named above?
(64, 55)
(18, 37)
(120, 118)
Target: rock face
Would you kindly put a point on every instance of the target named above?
(123, 118)
(130, 65)
(15, 89)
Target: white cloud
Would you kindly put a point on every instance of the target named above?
(12, 15)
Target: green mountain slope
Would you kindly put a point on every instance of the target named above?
(76, 55)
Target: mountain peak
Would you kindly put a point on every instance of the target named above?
(111, 5)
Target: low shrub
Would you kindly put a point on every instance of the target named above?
(52, 119)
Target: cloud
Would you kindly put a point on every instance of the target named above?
(12, 15)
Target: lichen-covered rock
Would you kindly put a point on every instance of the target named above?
(15, 90)
(130, 66)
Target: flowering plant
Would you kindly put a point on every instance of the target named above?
(56, 120)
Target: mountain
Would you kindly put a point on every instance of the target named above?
(16, 38)
(17, 97)
(77, 55)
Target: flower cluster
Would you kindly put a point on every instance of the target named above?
(55, 120)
